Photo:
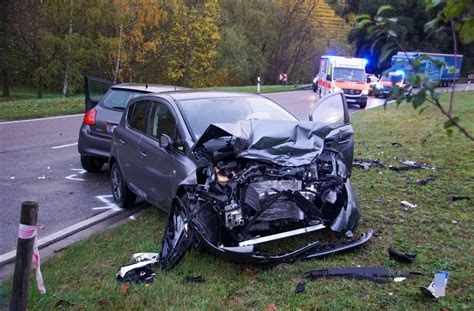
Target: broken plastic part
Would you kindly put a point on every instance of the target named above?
(300, 287)
(437, 288)
(194, 279)
(375, 274)
(425, 181)
(399, 256)
(408, 204)
(140, 272)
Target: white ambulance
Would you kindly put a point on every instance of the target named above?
(345, 74)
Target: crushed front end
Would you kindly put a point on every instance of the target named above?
(255, 187)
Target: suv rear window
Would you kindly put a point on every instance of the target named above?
(118, 99)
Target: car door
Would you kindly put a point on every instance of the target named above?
(332, 116)
(156, 162)
(94, 89)
(127, 142)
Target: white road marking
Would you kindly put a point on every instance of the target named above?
(74, 176)
(106, 200)
(64, 146)
(50, 239)
(41, 119)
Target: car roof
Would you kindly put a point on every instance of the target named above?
(148, 88)
(202, 94)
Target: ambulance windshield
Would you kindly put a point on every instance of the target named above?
(349, 74)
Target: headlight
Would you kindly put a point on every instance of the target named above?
(337, 89)
(365, 92)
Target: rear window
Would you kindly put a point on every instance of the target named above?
(118, 99)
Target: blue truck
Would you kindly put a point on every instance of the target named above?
(445, 75)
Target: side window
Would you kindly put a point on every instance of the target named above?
(161, 122)
(329, 111)
(137, 115)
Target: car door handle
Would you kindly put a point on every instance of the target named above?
(143, 154)
(122, 142)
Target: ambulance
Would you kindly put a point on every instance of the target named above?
(345, 74)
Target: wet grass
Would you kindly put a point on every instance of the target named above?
(438, 230)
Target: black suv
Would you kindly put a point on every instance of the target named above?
(105, 103)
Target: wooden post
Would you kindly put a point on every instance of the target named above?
(24, 254)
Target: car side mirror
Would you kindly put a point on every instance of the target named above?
(328, 78)
(165, 141)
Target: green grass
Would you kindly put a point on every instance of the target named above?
(253, 88)
(83, 274)
(23, 103)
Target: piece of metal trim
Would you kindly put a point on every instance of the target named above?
(282, 235)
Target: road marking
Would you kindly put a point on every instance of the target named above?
(106, 200)
(64, 146)
(50, 239)
(41, 119)
(80, 171)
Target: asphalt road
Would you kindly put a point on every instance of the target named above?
(39, 162)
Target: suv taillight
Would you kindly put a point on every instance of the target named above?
(89, 116)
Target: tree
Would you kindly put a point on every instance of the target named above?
(4, 25)
(381, 29)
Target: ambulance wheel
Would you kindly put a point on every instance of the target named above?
(363, 105)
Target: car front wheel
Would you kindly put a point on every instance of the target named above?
(123, 196)
(363, 105)
(91, 164)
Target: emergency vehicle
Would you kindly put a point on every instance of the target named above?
(345, 74)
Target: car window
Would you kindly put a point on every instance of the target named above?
(200, 113)
(161, 122)
(329, 111)
(138, 115)
(118, 99)
(349, 74)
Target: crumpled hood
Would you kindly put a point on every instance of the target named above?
(286, 143)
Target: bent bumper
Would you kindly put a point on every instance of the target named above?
(93, 145)
(247, 254)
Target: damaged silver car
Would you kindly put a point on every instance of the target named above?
(237, 171)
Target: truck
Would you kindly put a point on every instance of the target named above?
(346, 74)
(445, 74)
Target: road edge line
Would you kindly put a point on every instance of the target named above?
(41, 119)
(62, 234)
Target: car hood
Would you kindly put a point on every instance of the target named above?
(285, 143)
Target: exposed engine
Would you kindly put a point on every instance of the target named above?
(253, 197)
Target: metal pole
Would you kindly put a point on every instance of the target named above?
(24, 254)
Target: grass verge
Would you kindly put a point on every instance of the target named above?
(23, 103)
(253, 88)
(439, 230)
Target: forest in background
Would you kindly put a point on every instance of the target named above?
(51, 45)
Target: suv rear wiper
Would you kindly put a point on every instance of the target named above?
(118, 107)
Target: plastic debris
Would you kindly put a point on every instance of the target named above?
(437, 288)
(367, 164)
(399, 256)
(399, 279)
(408, 204)
(460, 197)
(42, 177)
(132, 217)
(395, 144)
(194, 279)
(13, 177)
(300, 287)
(425, 181)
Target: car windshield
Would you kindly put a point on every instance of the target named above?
(392, 78)
(349, 74)
(118, 98)
(200, 113)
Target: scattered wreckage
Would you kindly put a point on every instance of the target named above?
(255, 183)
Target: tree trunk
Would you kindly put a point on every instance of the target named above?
(451, 100)
(6, 83)
(119, 49)
(4, 15)
(69, 51)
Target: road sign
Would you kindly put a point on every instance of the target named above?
(283, 77)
